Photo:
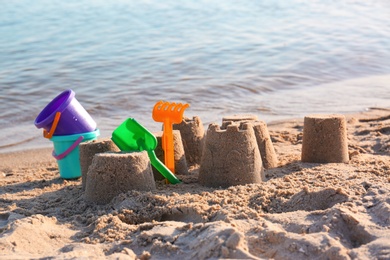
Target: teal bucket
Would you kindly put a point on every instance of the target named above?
(67, 152)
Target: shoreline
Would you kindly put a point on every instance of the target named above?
(46, 144)
(302, 210)
(24, 135)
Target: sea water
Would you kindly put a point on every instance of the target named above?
(275, 59)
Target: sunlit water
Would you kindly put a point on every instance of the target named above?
(275, 59)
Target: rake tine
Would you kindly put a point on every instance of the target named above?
(158, 105)
(171, 107)
(180, 107)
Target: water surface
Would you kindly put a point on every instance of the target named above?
(276, 59)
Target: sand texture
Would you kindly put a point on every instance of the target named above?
(300, 211)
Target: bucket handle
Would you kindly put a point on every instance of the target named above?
(53, 126)
(67, 151)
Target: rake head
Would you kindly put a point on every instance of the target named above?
(166, 111)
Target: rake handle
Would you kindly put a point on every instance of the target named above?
(167, 145)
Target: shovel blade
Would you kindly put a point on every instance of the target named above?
(132, 136)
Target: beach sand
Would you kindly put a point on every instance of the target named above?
(301, 211)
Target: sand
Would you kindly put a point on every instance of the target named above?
(301, 211)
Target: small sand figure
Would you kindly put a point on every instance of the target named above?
(88, 151)
(325, 139)
(192, 134)
(113, 173)
(264, 142)
(230, 157)
(267, 150)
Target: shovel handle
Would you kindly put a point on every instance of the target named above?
(162, 168)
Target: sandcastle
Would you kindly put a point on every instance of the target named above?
(325, 139)
(88, 151)
(230, 157)
(179, 154)
(263, 138)
(192, 134)
(113, 173)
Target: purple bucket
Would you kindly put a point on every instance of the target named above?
(74, 118)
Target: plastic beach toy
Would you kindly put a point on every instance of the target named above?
(66, 151)
(64, 115)
(168, 113)
(132, 136)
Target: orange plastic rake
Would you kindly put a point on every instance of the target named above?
(168, 113)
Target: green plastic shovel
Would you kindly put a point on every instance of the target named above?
(132, 136)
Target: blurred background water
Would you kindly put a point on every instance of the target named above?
(275, 59)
